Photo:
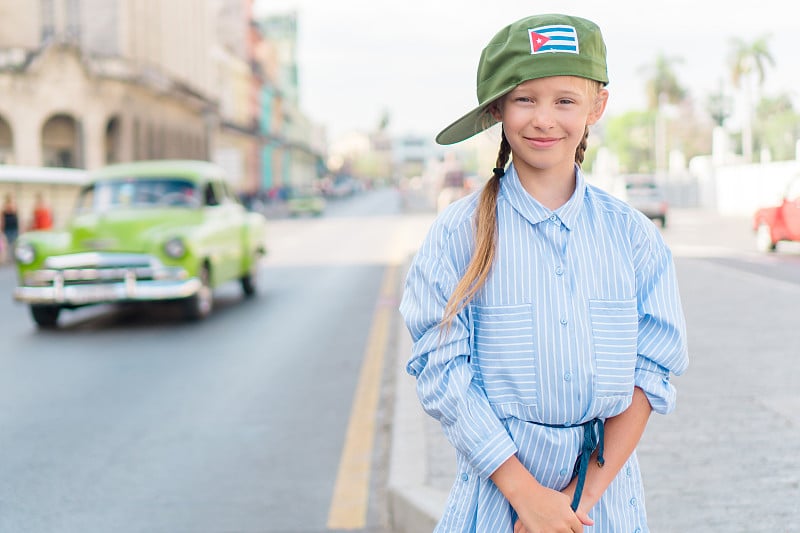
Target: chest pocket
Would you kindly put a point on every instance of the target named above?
(615, 326)
(504, 349)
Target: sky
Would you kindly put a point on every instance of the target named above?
(417, 59)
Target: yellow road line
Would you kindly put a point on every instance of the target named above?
(350, 500)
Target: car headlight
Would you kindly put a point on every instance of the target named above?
(24, 253)
(175, 248)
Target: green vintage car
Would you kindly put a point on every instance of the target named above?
(143, 231)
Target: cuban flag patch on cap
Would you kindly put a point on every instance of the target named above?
(557, 38)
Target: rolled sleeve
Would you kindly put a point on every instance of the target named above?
(654, 381)
(662, 348)
(440, 361)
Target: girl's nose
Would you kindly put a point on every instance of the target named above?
(542, 118)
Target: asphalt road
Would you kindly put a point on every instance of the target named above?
(130, 420)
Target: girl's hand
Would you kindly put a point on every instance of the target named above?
(583, 506)
(540, 509)
(548, 512)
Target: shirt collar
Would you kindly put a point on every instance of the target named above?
(532, 210)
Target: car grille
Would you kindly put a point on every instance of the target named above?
(100, 268)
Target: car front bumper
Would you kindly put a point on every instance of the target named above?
(83, 279)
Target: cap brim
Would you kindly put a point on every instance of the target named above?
(472, 123)
(465, 127)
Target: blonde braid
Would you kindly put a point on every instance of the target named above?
(485, 240)
(593, 87)
(580, 151)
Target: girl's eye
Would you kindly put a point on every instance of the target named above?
(565, 101)
(523, 99)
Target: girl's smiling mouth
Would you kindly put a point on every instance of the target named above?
(541, 142)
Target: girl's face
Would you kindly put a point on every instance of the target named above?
(544, 121)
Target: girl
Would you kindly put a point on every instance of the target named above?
(545, 313)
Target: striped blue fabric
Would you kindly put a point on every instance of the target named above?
(581, 304)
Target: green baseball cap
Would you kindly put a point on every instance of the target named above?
(534, 47)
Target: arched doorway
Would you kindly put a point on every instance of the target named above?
(61, 142)
(112, 140)
(6, 143)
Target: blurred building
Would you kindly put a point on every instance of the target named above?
(411, 153)
(90, 82)
(365, 157)
(84, 83)
(234, 139)
(293, 149)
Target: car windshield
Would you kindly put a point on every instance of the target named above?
(645, 192)
(139, 192)
(303, 192)
(643, 189)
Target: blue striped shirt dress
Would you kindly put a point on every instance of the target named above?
(581, 304)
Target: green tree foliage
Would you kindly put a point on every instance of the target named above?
(777, 126)
(630, 137)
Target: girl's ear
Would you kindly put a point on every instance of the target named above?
(598, 107)
(494, 110)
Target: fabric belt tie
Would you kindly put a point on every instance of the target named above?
(592, 440)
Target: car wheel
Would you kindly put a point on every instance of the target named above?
(250, 280)
(45, 316)
(199, 305)
(764, 242)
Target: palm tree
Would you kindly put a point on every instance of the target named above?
(746, 61)
(662, 85)
(662, 88)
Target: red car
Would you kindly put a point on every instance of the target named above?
(780, 223)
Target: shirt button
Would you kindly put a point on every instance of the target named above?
(563, 321)
(567, 376)
(464, 477)
(628, 471)
(633, 502)
(637, 530)
(559, 271)
(553, 218)
(563, 472)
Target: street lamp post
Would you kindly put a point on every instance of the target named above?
(660, 139)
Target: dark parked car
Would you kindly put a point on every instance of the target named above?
(305, 200)
(645, 194)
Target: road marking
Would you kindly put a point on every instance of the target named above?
(350, 500)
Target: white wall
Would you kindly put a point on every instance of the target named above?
(741, 189)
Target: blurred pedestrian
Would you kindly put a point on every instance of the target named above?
(545, 313)
(42, 215)
(10, 221)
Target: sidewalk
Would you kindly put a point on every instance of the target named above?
(422, 462)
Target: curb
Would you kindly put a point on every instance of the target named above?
(414, 506)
